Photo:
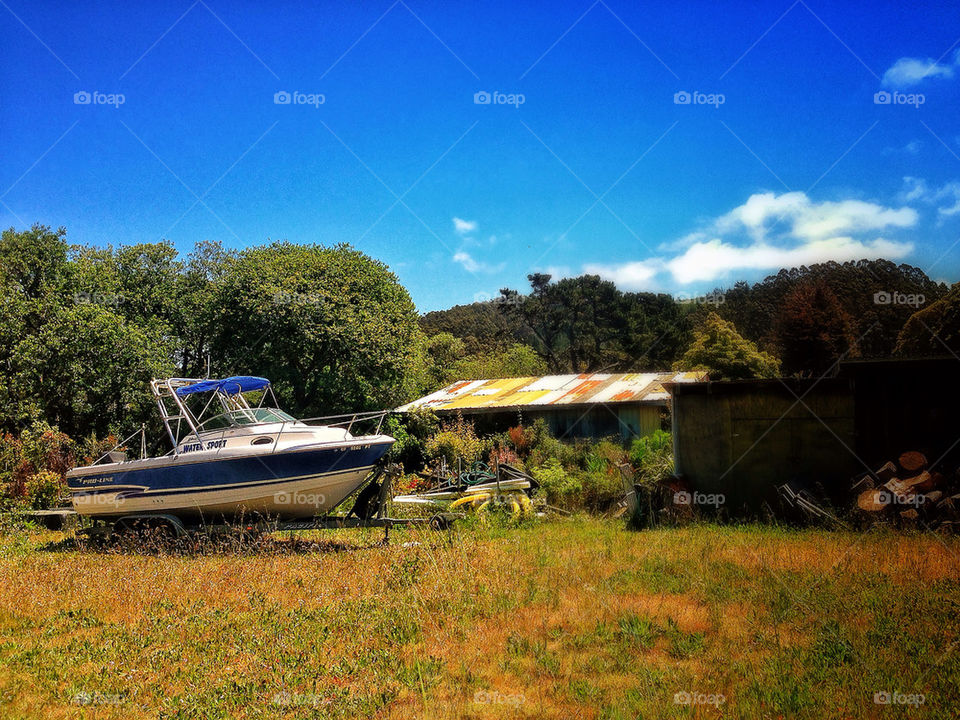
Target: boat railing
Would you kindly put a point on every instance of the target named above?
(142, 432)
(372, 420)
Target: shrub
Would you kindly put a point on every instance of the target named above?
(33, 466)
(559, 486)
(601, 490)
(652, 458)
(504, 456)
(521, 438)
(410, 430)
(544, 446)
(45, 489)
(456, 439)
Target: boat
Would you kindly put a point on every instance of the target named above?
(235, 454)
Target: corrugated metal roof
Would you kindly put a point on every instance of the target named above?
(555, 390)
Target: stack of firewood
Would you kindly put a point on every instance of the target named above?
(909, 493)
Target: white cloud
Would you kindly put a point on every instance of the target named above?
(470, 264)
(635, 276)
(950, 191)
(804, 219)
(946, 196)
(768, 232)
(716, 258)
(910, 71)
(464, 226)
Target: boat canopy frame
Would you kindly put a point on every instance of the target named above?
(170, 394)
(179, 418)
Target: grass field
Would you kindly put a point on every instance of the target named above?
(567, 619)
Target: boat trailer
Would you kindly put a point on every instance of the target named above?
(369, 511)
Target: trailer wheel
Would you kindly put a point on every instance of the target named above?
(149, 528)
(442, 521)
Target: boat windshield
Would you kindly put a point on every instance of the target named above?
(240, 418)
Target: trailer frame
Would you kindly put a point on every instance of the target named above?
(362, 515)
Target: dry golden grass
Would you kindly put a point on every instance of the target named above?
(579, 618)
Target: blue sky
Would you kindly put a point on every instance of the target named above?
(671, 147)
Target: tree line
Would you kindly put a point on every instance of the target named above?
(797, 322)
(83, 329)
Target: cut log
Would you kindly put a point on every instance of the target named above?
(887, 472)
(932, 498)
(913, 461)
(873, 501)
(897, 487)
(950, 507)
(920, 483)
(910, 514)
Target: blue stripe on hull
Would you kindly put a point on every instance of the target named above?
(236, 471)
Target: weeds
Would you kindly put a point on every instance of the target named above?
(574, 618)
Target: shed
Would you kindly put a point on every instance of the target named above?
(743, 438)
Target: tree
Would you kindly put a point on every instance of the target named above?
(330, 326)
(443, 351)
(516, 361)
(587, 324)
(755, 309)
(723, 353)
(813, 330)
(934, 330)
(67, 356)
(87, 370)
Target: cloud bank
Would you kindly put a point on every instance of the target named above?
(768, 232)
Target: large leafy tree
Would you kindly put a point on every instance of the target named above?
(813, 330)
(587, 324)
(755, 309)
(330, 326)
(68, 355)
(725, 355)
(934, 330)
(87, 368)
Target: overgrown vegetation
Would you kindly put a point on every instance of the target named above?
(565, 619)
(33, 467)
(578, 474)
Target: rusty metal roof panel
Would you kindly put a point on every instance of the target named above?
(554, 390)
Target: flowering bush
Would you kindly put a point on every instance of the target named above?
(45, 489)
(33, 466)
(456, 439)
